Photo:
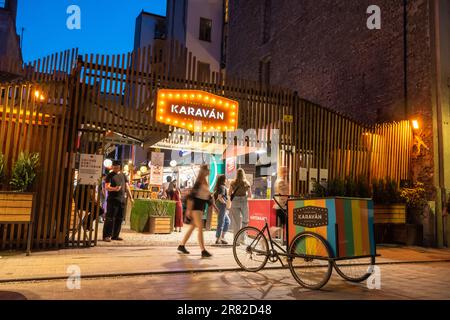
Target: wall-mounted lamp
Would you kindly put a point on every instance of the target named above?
(415, 124)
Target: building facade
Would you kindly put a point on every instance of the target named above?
(196, 24)
(10, 51)
(325, 51)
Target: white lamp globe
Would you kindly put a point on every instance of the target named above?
(143, 169)
(107, 163)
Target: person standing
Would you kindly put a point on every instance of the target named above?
(199, 197)
(116, 183)
(240, 191)
(282, 189)
(103, 197)
(174, 194)
(165, 187)
(223, 221)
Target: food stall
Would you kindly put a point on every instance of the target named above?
(261, 210)
(346, 223)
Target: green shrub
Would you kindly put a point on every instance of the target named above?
(363, 187)
(393, 191)
(319, 190)
(24, 172)
(336, 188)
(415, 197)
(386, 191)
(159, 209)
(350, 187)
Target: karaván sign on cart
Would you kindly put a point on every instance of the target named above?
(196, 110)
(348, 228)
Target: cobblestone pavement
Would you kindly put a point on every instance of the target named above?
(400, 281)
(139, 254)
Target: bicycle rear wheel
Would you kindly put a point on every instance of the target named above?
(309, 260)
(250, 249)
(355, 270)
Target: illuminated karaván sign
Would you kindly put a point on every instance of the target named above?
(196, 110)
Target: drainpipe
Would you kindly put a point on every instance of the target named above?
(441, 194)
(405, 57)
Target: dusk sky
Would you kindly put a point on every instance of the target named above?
(107, 26)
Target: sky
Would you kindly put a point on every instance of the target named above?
(107, 26)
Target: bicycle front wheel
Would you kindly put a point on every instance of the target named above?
(355, 270)
(250, 249)
(309, 260)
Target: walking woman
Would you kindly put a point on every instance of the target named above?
(221, 197)
(240, 191)
(174, 194)
(200, 196)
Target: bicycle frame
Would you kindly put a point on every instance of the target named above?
(281, 252)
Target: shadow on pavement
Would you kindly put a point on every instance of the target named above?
(10, 295)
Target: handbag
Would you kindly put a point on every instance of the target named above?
(233, 194)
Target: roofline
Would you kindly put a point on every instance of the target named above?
(152, 14)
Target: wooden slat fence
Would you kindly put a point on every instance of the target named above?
(86, 96)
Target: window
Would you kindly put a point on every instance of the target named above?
(264, 71)
(160, 30)
(2, 4)
(203, 72)
(205, 29)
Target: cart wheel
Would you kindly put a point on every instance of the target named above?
(250, 249)
(309, 260)
(355, 270)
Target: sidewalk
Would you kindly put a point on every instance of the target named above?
(122, 260)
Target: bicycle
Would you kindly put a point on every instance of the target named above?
(310, 258)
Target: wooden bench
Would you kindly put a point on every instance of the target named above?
(17, 208)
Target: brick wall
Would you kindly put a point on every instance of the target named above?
(324, 50)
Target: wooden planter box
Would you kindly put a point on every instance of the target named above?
(18, 208)
(160, 225)
(405, 234)
(390, 213)
(142, 211)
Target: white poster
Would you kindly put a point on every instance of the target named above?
(157, 169)
(157, 159)
(313, 178)
(323, 175)
(303, 174)
(90, 169)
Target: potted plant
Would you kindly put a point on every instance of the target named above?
(388, 204)
(160, 220)
(415, 198)
(24, 172)
(17, 205)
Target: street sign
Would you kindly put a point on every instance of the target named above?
(157, 168)
(288, 118)
(90, 169)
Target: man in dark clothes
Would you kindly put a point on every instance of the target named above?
(116, 183)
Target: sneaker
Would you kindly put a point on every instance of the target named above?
(218, 241)
(117, 239)
(182, 249)
(107, 239)
(223, 242)
(206, 254)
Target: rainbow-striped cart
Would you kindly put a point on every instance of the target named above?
(322, 234)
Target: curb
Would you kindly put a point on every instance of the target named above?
(183, 271)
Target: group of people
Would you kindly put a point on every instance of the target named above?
(222, 200)
(229, 201)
